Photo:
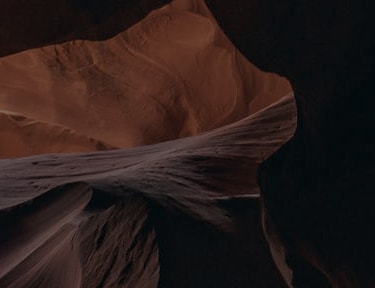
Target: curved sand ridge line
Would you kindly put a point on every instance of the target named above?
(189, 176)
(25, 137)
(251, 139)
(172, 75)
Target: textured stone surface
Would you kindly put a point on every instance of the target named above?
(317, 189)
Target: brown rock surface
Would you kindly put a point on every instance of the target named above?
(199, 194)
(161, 79)
(181, 213)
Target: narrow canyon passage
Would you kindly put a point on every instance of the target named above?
(156, 144)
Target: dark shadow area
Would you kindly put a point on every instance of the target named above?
(196, 254)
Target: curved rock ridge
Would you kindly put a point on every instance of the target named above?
(200, 181)
(252, 139)
(25, 137)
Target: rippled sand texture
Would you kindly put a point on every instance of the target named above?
(182, 212)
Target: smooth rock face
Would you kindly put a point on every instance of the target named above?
(165, 72)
